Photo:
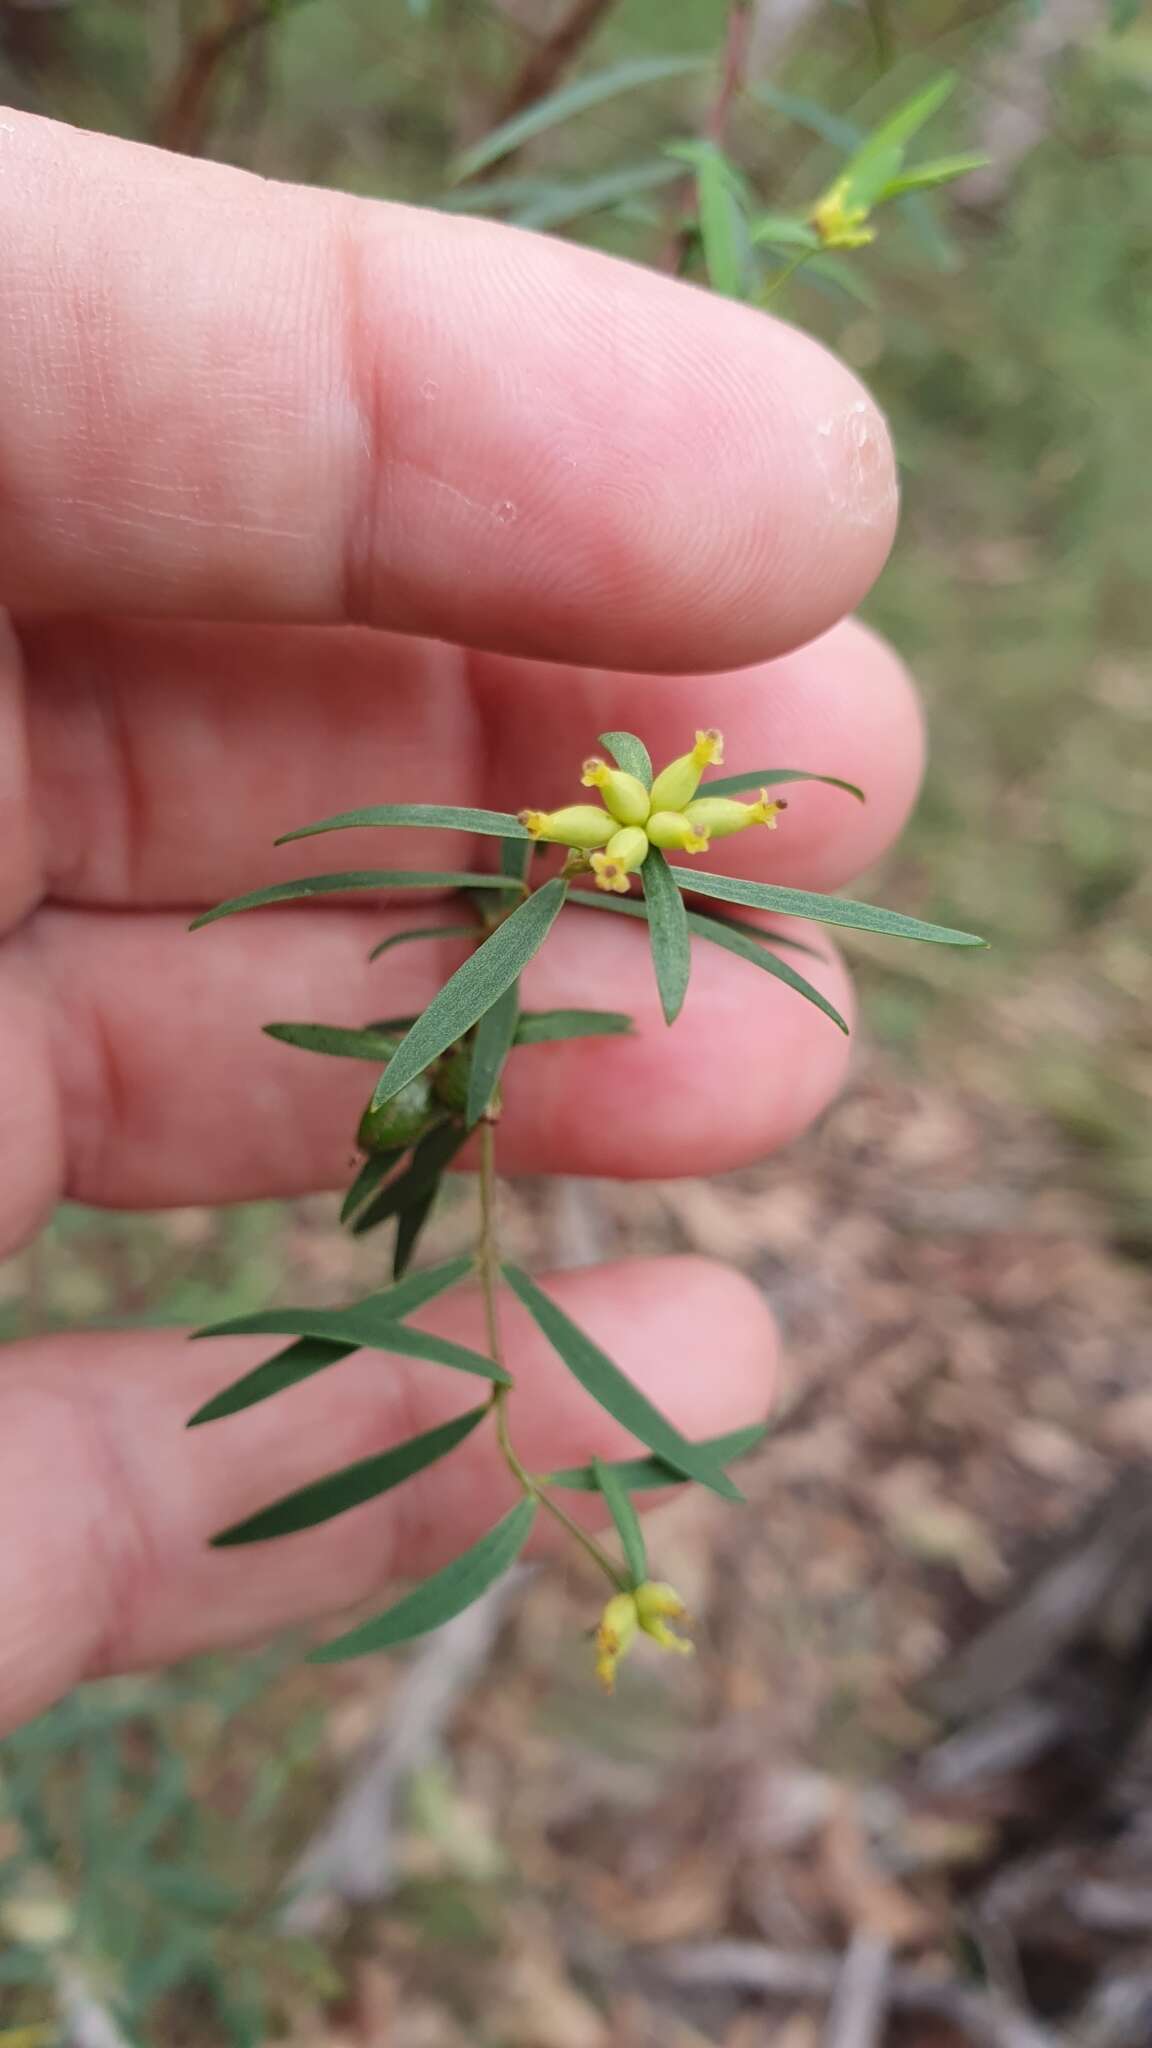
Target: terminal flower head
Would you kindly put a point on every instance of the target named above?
(648, 1608)
(613, 842)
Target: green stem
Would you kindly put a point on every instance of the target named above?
(488, 1267)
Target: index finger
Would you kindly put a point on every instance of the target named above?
(232, 399)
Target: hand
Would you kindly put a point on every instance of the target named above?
(321, 424)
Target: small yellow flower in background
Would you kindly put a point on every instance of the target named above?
(839, 224)
(624, 795)
(649, 1608)
(670, 815)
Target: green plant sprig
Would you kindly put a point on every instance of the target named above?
(440, 1082)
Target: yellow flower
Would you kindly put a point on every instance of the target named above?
(677, 784)
(650, 1608)
(625, 795)
(720, 816)
(671, 829)
(584, 825)
(839, 224)
(626, 851)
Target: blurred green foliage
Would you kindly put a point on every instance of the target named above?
(1011, 342)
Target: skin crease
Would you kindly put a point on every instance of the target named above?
(323, 426)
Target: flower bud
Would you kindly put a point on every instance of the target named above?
(672, 830)
(618, 1625)
(656, 1605)
(677, 784)
(584, 825)
(626, 851)
(451, 1075)
(839, 224)
(400, 1121)
(721, 816)
(625, 795)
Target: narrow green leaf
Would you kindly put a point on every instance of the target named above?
(373, 1171)
(782, 232)
(424, 931)
(351, 1487)
(723, 227)
(516, 857)
(758, 932)
(768, 778)
(630, 754)
(591, 91)
(313, 1354)
(447, 817)
(819, 120)
(338, 1039)
(474, 987)
(443, 1596)
(914, 113)
(629, 906)
(361, 1327)
(668, 932)
(626, 1520)
(337, 885)
(409, 1228)
(601, 1378)
(416, 1187)
(762, 956)
(544, 1027)
(864, 917)
(557, 205)
(651, 1475)
(492, 1042)
(940, 171)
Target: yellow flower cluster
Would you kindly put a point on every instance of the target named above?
(613, 841)
(649, 1607)
(840, 222)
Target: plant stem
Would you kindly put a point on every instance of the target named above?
(488, 1266)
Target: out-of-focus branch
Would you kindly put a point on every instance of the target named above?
(544, 66)
(185, 110)
(733, 71)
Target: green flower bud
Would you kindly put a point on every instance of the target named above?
(398, 1122)
(720, 816)
(625, 795)
(677, 784)
(671, 829)
(584, 825)
(451, 1076)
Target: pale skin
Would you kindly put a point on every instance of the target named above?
(330, 427)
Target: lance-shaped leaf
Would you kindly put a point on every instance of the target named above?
(516, 857)
(668, 932)
(306, 886)
(474, 987)
(705, 927)
(651, 1475)
(446, 1594)
(612, 1388)
(769, 778)
(880, 157)
(630, 754)
(576, 98)
(375, 1169)
(313, 1354)
(761, 956)
(448, 817)
(863, 917)
(939, 171)
(493, 1041)
(424, 931)
(545, 1027)
(352, 1486)
(338, 1039)
(360, 1328)
(419, 1181)
(626, 1520)
(721, 218)
(409, 1229)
